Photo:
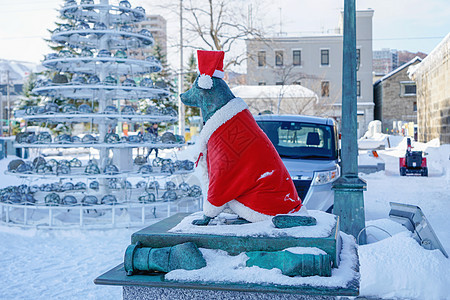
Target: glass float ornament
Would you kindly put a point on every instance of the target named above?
(186, 165)
(124, 139)
(125, 4)
(149, 138)
(69, 109)
(52, 163)
(146, 33)
(147, 198)
(14, 197)
(146, 82)
(157, 162)
(146, 169)
(51, 56)
(85, 109)
(78, 80)
(153, 185)
(25, 168)
(83, 27)
(141, 184)
(45, 187)
(89, 200)
(28, 198)
(153, 110)
(93, 80)
(94, 185)
(34, 188)
(52, 199)
(79, 186)
(128, 83)
(195, 191)
(169, 111)
(156, 67)
(112, 138)
(168, 138)
(43, 169)
(39, 161)
(113, 184)
(184, 187)
(111, 109)
(100, 27)
(76, 139)
(170, 185)
(168, 168)
(51, 108)
(121, 55)
(128, 110)
(109, 80)
(134, 138)
(169, 196)
(68, 186)
(75, 162)
(126, 28)
(69, 200)
(140, 160)
(70, 3)
(87, 2)
(140, 14)
(104, 53)
(65, 54)
(111, 170)
(88, 139)
(127, 185)
(62, 170)
(63, 139)
(14, 164)
(92, 168)
(60, 79)
(86, 53)
(109, 200)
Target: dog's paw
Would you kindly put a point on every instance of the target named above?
(202, 222)
(288, 221)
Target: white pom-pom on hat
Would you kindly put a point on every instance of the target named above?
(205, 81)
(210, 64)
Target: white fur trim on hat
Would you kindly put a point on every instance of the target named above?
(218, 74)
(205, 81)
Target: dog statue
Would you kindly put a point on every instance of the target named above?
(241, 168)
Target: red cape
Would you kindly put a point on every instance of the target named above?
(243, 165)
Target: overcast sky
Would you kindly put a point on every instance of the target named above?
(413, 25)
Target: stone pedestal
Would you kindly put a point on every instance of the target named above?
(157, 286)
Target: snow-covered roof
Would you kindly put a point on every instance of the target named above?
(18, 70)
(272, 91)
(412, 61)
(435, 57)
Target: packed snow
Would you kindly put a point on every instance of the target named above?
(62, 264)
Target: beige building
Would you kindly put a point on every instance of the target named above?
(315, 62)
(395, 97)
(277, 99)
(432, 77)
(157, 25)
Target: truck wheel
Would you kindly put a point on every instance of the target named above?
(402, 171)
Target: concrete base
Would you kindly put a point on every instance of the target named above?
(151, 293)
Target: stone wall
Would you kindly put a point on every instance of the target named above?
(396, 106)
(433, 94)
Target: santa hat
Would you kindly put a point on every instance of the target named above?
(210, 64)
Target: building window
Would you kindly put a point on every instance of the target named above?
(298, 82)
(325, 89)
(297, 58)
(358, 58)
(261, 58)
(261, 83)
(358, 88)
(325, 57)
(279, 83)
(408, 88)
(279, 58)
(415, 106)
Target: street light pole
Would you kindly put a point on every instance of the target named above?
(348, 189)
(8, 98)
(181, 122)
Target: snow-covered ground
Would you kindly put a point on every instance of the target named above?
(58, 264)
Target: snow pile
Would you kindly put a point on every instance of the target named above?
(399, 267)
(325, 223)
(221, 267)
